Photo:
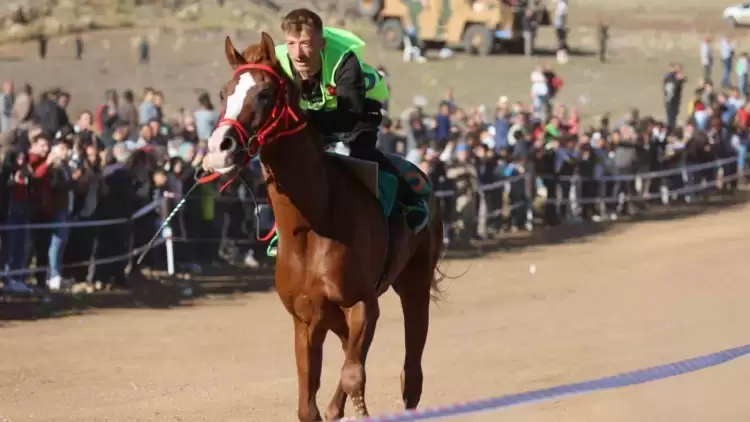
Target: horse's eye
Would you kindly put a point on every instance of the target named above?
(265, 95)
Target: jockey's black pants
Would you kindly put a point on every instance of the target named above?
(363, 147)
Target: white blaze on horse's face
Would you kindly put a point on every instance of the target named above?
(216, 159)
(237, 99)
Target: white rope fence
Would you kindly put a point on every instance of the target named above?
(145, 210)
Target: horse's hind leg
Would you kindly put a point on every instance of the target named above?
(361, 319)
(337, 324)
(308, 348)
(413, 287)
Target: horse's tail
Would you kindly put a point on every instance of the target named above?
(436, 291)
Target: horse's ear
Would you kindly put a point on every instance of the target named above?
(268, 47)
(234, 58)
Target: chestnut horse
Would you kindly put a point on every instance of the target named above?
(334, 237)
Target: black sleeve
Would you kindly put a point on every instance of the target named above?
(350, 99)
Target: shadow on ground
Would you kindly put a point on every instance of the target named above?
(155, 291)
(159, 291)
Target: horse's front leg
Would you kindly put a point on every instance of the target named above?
(361, 319)
(308, 347)
(337, 321)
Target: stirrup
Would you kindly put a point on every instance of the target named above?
(406, 209)
(273, 249)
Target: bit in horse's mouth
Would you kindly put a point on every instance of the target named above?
(224, 170)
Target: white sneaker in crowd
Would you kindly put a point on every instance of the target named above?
(250, 260)
(57, 283)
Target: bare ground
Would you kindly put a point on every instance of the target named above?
(632, 297)
(619, 299)
(645, 37)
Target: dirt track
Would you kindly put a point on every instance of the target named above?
(633, 297)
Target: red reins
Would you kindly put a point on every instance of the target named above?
(278, 126)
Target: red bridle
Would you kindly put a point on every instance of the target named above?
(279, 125)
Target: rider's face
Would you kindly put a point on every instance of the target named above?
(304, 49)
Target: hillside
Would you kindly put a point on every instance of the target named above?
(27, 19)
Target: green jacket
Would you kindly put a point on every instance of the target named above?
(338, 43)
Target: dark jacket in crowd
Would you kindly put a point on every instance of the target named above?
(51, 117)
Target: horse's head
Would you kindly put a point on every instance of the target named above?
(261, 106)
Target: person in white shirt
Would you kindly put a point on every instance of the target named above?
(539, 92)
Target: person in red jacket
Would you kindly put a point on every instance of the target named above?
(15, 241)
(40, 197)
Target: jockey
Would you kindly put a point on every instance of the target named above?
(341, 95)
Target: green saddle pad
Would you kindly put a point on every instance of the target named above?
(387, 190)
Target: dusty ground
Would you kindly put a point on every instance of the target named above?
(630, 297)
(645, 37)
(627, 298)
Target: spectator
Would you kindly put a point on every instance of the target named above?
(540, 94)
(63, 100)
(143, 51)
(741, 69)
(443, 124)
(417, 155)
(147, 111)
(49, 114)
(42, 42)
(84, 129)
(205, 117)
(7, 96)
(78, 47)
(673, 82)
(603, 41)
(501, 128)
(463, 174)
(707, 58)
(528, 26)
(115, 201)
(86, 189)
(127, 111)
(106, 116)
(449, 99)
(23, 107)
(188, 131)
(40, 196)
(727, 55)
(15, 175)
(388, 141)
(158, 101)
(159, 133)
(61, 180)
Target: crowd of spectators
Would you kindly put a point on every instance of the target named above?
(126, 154)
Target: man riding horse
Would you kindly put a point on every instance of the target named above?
(342, 95)
(337, 254)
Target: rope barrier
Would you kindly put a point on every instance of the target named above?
(624, 379)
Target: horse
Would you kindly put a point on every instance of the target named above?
(338, 249)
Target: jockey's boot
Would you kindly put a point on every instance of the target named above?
(412, 206)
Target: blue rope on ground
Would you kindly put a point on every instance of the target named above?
(607, 383)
